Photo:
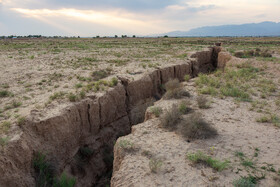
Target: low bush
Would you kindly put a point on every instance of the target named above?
(4, 93)
(113, 82)
(187, 78)
(195, 127)
(3, 141)
(101, 74)
(184, 107)
(5, 126)
(202, 102)
(65, 181)
(174, 90)
(156, 111)
(171, 118)
(21, 120)
(72, 97)
(46, 172)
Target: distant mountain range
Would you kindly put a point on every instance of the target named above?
(251, 29)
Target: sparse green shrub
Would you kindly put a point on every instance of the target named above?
(21, 120)
(209, 90)
(184, 107)
(235, 92)
(247, 163)
(195, 127)
(5, 125)
(4, 93)
(45, 170)
(270, 119)
(155, 165)
(264, 119)
(235, 83)
(16, 104)
(202, 102)
(200, 157)
(46, 173)
(72, 97)
(57, 95)
(65, 181)
(113, 82)
(171, 118)
(156, 111)
(78, 85)
(245, 182)
(187, 77)
(82, 94)
(239, 154)
(126, 145)
(96, 86)
(4, 141)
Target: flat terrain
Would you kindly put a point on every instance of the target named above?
(42, 76)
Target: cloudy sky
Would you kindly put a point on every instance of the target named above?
(140, 17)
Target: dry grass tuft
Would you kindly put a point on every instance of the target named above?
(202, 102)
(194, 127)
(171, 118)
(174, 90)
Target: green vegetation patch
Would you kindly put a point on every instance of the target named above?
(200, 157)
(233, 82)
(46, 172)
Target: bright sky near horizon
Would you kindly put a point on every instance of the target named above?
(139, 17)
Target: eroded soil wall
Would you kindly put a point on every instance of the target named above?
(92, 124)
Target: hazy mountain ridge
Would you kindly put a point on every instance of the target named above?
(251, 29)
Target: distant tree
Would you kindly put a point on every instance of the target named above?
(79, 37)
(165, 36)
(97, 36)
(133, 36)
